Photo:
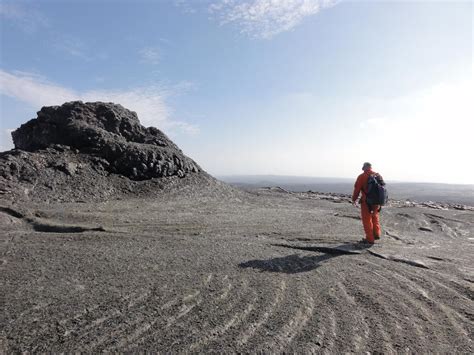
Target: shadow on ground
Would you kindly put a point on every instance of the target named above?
(296, 263)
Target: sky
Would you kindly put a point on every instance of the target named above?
(280, 87)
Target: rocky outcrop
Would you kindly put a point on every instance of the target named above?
(108, 131)
(95, 150)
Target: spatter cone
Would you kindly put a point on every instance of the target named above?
(93, 151)
(108, 131)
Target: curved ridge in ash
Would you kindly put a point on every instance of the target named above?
(94, 150)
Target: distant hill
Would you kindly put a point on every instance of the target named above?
(463, 194)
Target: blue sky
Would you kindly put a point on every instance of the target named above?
(290, 87)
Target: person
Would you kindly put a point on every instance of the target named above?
(369, 214)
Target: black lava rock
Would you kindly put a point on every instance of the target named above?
(108, 131)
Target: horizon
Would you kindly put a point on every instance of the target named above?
(349, 180)
(309, 88)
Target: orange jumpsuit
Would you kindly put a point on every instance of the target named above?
(370, 219)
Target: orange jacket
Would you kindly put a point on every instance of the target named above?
(361, 185)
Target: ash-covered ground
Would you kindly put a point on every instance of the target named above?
(230, 271)
(180, 262)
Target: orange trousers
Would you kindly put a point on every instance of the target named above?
(371, 222)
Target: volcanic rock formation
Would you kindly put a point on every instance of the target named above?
(108, 131)
(102, 143)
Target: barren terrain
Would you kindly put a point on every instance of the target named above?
(218, 269)
(113, 240)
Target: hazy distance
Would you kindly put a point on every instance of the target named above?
(416, 191)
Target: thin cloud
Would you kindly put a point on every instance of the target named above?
(6, 141)
(185, 127)
(73, 47)
(150, 55)
(29, 20)
(33, 89)
(183, 87)
(148, 102)
(186, 6)
(264, 19)
(76, 47)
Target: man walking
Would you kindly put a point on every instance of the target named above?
(369, 213)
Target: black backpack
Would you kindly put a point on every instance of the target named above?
(376, 191)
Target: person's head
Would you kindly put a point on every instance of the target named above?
(366, 166)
